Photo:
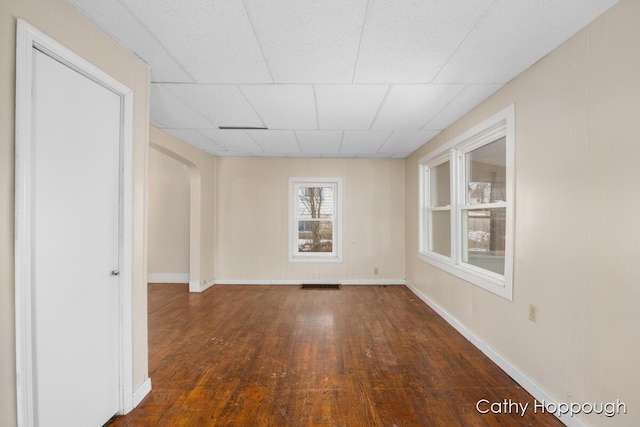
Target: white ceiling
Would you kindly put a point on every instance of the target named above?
(331, 78)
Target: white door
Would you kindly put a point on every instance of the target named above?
(76, 162)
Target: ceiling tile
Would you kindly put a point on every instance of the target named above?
(363, 141)
(309, 41)
(407, 141)
(283, 106)
(319, 141)
(275, 141)
(494, 53)
(212, 40)
(232, 140)
(338, 155)
(466, 100)
(224, 105)
(196, 139)
(274, 154)
(115, 19)
(409, 41)
(170, 112)
(235, 154)
(373, 155)
(348, 106)
(410, 107)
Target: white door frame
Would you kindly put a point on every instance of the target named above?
(29, 38)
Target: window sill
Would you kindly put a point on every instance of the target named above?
(312, 258)
(494, 283)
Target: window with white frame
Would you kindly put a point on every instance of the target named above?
(315, 220)
(467, 195)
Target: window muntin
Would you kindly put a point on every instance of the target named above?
(472, 237)
(314, 222)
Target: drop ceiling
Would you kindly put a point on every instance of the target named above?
(330, 78)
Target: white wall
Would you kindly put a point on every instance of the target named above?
(168, 219)
(252, 214)
(577, 209)
(202, 178)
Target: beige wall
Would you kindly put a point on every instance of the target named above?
(252, 219)
(168, 216)
(202, 178)
(64, 23)
(577, 209)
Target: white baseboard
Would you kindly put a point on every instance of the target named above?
(301, 281)
(168, 277)
(512, 370)
(141, 392)
(195, 286)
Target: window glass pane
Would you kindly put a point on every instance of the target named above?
(486, 173)
(315, 202)
(440, 187)
(440, 227)
(315, 236)
(484, 234)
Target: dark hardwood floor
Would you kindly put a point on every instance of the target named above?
(281, 356)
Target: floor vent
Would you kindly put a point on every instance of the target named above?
(319, 286)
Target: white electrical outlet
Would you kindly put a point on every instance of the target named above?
(533, 313)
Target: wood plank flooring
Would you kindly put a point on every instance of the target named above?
(281, 356)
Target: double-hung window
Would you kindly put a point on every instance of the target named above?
(315, 220)
(467, 213)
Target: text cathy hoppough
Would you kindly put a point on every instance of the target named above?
(508, 406)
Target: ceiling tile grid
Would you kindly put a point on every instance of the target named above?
(197, 139)
(116, 19)
(363, 141)
(331, 78)
(308, 40)
(348, 106)
(213, 40)
(223, 105)
(410, 107)
(283, 106)
(409, 41)
(170, 112)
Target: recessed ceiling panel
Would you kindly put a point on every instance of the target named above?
(407, 141)
(283, 106)
(196, 139)
(319, 141)
(232, 140)
(409, 41)
(363, 141)
(212, 40)
(514, 35)
(275, 141)
(348, 106)
(468, 98)
(170, 112)
(224, 105)
(115, 19)
(410, 107)
(309, 41)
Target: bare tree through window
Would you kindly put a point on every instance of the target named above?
(315, 223)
